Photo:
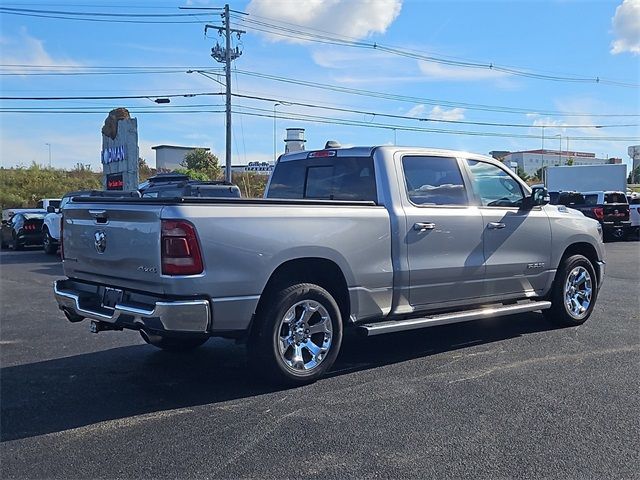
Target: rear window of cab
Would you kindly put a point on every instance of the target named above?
(330, 178)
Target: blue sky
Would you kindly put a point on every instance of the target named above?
(568, 39)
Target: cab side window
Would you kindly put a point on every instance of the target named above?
(493, 186)
(434, 181)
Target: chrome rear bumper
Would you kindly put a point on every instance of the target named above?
(187, 316)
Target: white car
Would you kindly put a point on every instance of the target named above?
(634, 212)
(51, 225)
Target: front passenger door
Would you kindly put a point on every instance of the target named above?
(443, 234)
(517, 241)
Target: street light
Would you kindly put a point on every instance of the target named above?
(275, 128)
(49, 145)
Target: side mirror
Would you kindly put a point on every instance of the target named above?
(539, 196)
(51, 209)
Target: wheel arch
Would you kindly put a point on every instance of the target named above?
(587, 250)
(317, 270)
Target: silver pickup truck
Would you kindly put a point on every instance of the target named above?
(375, 239)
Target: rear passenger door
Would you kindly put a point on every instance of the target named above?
(443, 234)
(517, 241)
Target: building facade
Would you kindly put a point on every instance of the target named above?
(530, 161)
(169, 157)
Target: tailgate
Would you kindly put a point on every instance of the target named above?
(616, 212)
(113, 244)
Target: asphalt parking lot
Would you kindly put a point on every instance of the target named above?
(505, 398)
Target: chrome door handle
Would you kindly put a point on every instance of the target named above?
(495, 225)
(422, 227)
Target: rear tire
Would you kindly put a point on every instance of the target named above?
(297, 335)
(49, 245)
(574, 292)
(16, 245)
(173, 344)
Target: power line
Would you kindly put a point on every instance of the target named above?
(266, 113)
(307, 34)
(428, 101)
(425, 119)
(113, 97)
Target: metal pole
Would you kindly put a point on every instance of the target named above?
(560, 151)
(49, 145)
(227, 71)
(274, 132)
(542, 155)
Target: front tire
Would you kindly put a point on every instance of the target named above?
(297, 336)
(49, 245)
(574, 292)
(173, 344)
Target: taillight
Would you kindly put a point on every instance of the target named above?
(598, 212)
(180, 249)
(62, 237)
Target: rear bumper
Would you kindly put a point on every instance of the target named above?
(615, 225)
(80, 301)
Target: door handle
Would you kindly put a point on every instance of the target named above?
(495, 225)
(423, 227)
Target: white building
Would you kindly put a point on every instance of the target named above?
(169, 157)
(530, 161)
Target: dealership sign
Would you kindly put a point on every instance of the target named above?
(114, 154)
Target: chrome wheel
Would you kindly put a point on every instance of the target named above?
(304, 336)
(578, 290)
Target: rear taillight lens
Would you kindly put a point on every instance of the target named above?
(180, 248)
(598, 212)
(62, 237)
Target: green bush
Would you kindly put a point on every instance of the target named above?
(22, 187)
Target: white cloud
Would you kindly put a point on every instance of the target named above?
(435, 71)
(436, 113)
(352, 18)
(626, 27)
(28, 50)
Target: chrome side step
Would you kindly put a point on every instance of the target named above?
(371, 329)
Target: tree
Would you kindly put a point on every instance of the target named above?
(144, 170)
(540, 174)
(193, 174)
(569, 161)
(251, 184)
(522, 174)
(634, 176)
(202, 161)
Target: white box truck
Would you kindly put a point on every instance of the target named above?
(587, 178)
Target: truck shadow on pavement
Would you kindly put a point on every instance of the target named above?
(65, 393)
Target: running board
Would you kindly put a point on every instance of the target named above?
(454, 317)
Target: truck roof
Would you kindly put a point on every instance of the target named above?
(368, 151)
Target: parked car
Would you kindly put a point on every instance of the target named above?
(634, 215)
(51, 224)
(192, 188)
(610, 209)
(568, 199)
(23, 229)
(48, 202)
(162, 178)
(376, 239)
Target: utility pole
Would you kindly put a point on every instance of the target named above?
(49, 145)
(226, 55)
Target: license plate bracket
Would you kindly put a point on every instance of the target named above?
(111, 297)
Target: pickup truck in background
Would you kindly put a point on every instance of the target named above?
(376, 239)
(608, 208)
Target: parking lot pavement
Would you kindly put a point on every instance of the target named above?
(504, 398)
